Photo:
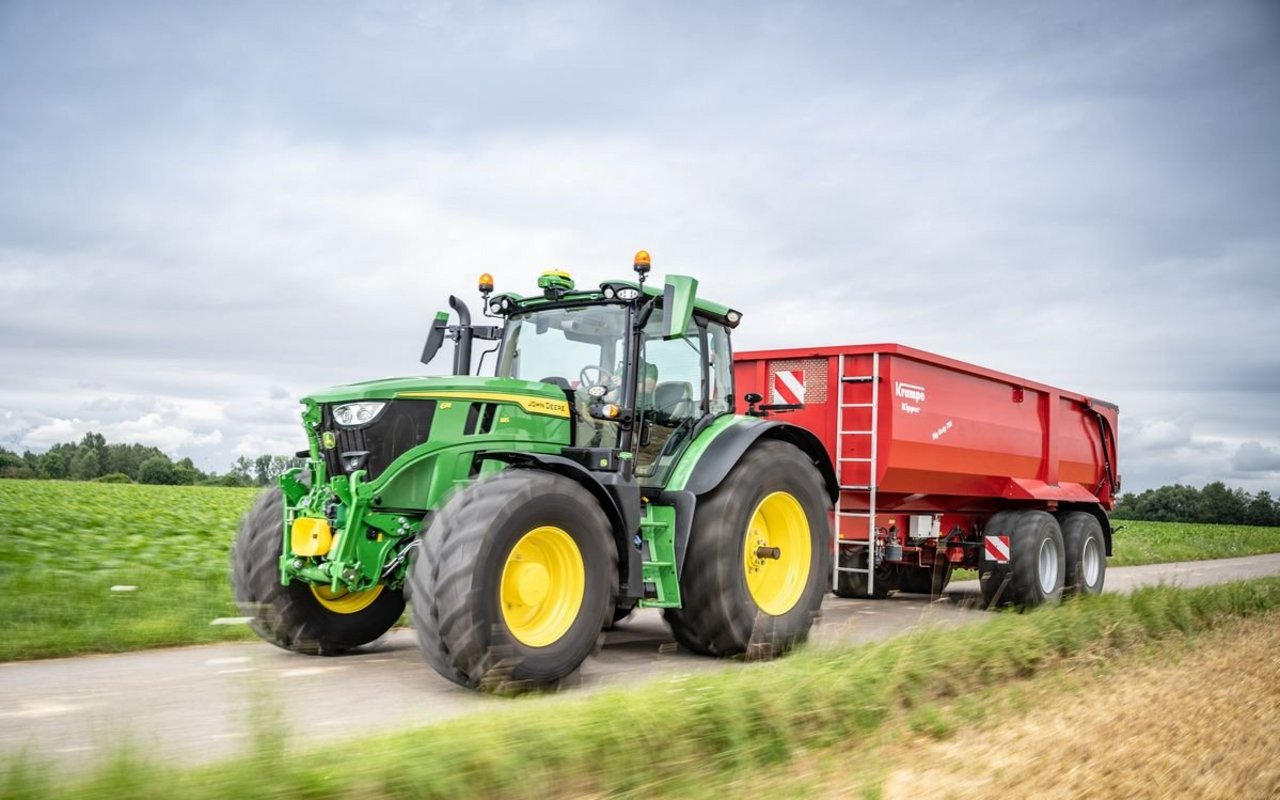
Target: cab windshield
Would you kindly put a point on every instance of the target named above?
(575, 349)
(563, 343)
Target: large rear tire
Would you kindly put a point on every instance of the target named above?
(1086, 553)
(299, 617)
(758, 562)
(1036, 569)
(516, 576)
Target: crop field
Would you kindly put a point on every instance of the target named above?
(92, 567)
(1140, 542)
(108, 567)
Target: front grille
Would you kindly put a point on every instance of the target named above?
(402, 425)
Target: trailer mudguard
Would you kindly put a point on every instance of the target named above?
(623, 512)
(726, 449)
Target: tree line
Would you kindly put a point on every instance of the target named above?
(94, 459)
(1216, 502)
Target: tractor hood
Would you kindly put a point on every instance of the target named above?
(396, 430)
(533, 396)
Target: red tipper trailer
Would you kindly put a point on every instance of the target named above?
(946, 464)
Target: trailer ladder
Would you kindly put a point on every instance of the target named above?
(869, 436)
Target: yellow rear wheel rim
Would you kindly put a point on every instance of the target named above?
(543, 581)
(344, 602)
(777, 553)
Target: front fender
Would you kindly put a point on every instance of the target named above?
(619, 499)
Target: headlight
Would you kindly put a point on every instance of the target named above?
(628, 293)
(356, 413)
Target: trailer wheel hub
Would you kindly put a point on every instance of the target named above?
(543, 581)
(777, 553)
(1047, 566)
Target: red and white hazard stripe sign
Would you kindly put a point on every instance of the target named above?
(788, 387)
(997, 549)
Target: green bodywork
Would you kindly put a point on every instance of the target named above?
(375, 521)
(418, 481)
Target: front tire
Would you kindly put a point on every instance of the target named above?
(516, 577)
(758, 562)
(299, 617)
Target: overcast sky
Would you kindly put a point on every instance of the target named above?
(208, 209)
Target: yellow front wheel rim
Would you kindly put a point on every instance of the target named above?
(777, 553)
(542, 585)
(344, 602)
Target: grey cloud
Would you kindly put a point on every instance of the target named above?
(1255, 457)
(234, 204)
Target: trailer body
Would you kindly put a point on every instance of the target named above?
(928, 448)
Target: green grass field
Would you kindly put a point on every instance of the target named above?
(1139, 542)
(65, 545)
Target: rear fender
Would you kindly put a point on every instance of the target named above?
(713, 462)
(706, 464)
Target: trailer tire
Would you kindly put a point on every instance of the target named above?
(994, 578)
(296, 617)
(854, 584)
(926, 580)
(734, 601)
(1036, 570)
(1086, 553)
(516, 577)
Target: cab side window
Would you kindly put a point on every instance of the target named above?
(720, 369)
(669, 398)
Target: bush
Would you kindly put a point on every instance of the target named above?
(113, 477)
(230, 479)
(157, 470)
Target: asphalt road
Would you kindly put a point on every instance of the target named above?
(197, 704)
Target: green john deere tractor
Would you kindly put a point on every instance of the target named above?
(601, 469)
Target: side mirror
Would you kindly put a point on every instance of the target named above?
(677, 305)
(435, 338)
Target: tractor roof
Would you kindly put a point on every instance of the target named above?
(606, 292)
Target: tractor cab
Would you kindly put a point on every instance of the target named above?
(641, 368)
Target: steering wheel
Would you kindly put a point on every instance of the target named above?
(603, 374)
